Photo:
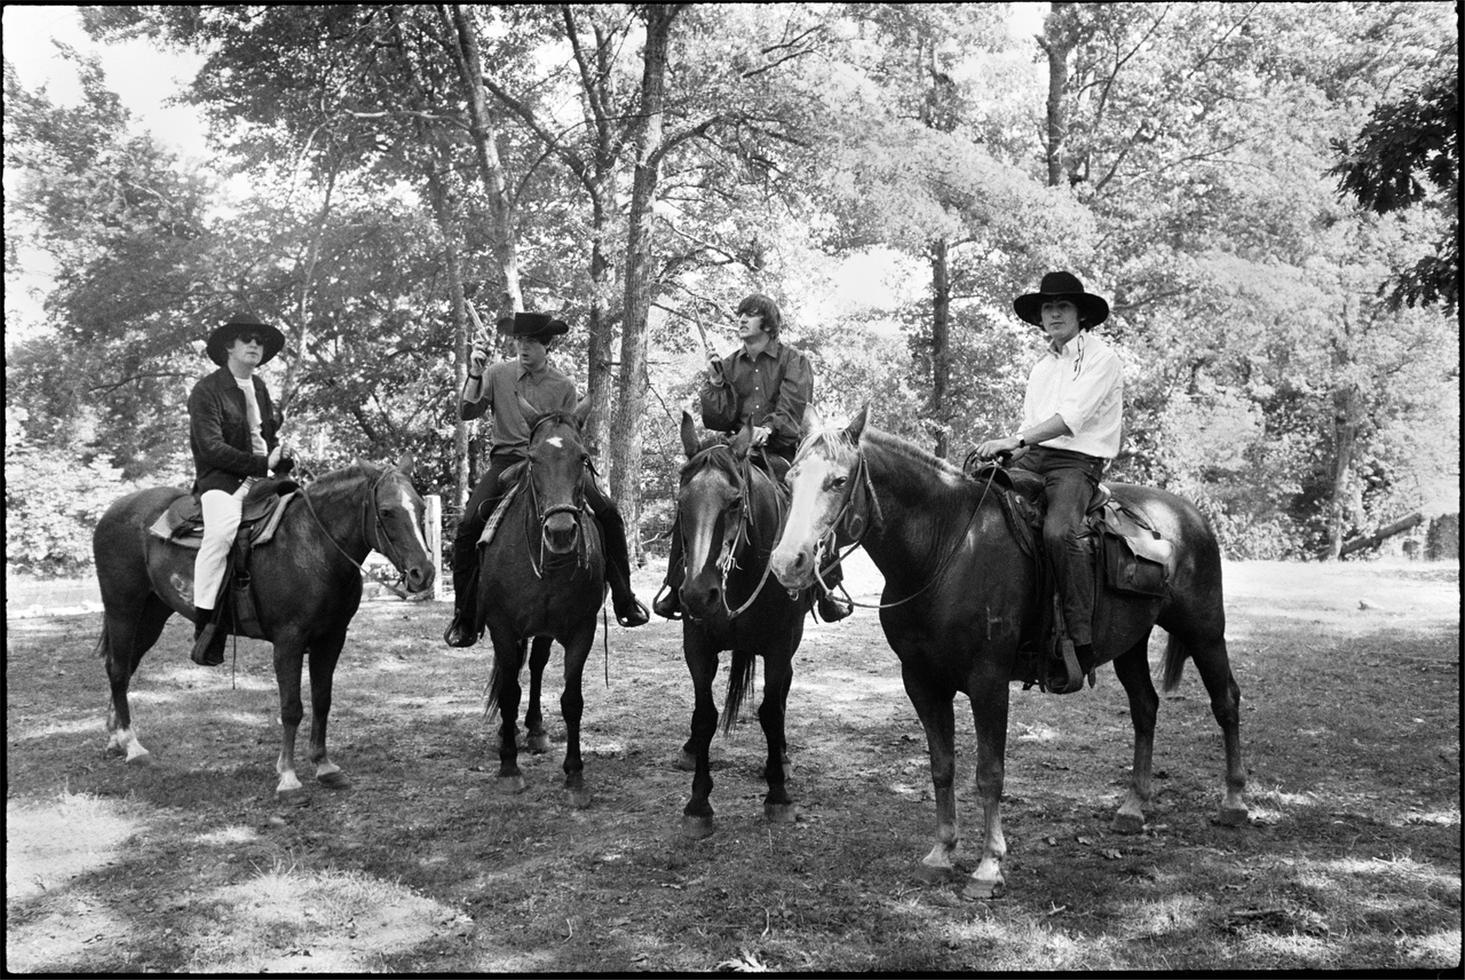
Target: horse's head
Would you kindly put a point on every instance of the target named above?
(713, 511)
(830, 498)
(556, 474)
(396, 523)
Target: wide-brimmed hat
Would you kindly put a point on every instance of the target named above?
(243, 323)
(534, 326)
(1092, 310)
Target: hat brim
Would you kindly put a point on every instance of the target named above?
(221, 339)
(1092, 310)
(552, 329)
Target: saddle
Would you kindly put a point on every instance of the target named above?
(264, 507)
(1130, 557)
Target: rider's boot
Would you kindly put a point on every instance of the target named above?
(628, 609)
(668, 602)
(831, 607)
(208, 639)
(460, 632)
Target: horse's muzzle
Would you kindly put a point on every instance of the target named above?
(561, 532)
(793, 567)
(419, 578)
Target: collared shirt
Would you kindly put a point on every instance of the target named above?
(252, 416)
(1084, 384)
(504, 384)
(771, 389)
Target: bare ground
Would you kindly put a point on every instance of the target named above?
(1351, 683)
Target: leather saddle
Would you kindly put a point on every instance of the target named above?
(264, 506)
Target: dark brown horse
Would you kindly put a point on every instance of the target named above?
(959, 596)
(729, 513)
(542, 576)
(307, 586)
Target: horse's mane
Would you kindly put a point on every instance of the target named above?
(927, 464)
(705, 458)
(339, 483)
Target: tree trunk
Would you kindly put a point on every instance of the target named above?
(626, 434)
(1057, 43)
(490, 166)
(452, 259)
(598, 380)
(940, 344)
(1347, 419)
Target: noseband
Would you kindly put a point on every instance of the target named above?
(373, 532)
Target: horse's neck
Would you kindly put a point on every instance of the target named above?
(925, 509)
(338, 501)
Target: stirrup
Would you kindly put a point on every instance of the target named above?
(458, 635)
(665, 603)
(635, 616)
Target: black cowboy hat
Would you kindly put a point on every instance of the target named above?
(243, 323)
(534, 326)
(1092, 310)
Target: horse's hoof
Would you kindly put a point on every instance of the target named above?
(142, 759)
(982, 889)
(538, 743)
(334, 780)
(933, 874)
(1232, 816)
(781, 812)
(512, 784)
(686, 762)
(579, 798)
(1127, 823)
(697, 827)
(292, 797)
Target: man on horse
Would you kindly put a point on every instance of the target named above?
(234, 434)
(1072, 413)
(498, 389)
(768, 383)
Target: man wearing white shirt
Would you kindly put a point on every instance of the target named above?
(1072, 415)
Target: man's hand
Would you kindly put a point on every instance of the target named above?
(996, 447)
(477, 362)
(714, 368)
(275, 455)
(761, 434)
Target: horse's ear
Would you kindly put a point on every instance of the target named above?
(407, 463)
(582, 411)
(529, 412)
(857, 424)
(812, 421)
(743, 440)
(689, 434)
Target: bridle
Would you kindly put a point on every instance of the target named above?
(738, 535)
(854, 525)
(538, 520)
(373, 531)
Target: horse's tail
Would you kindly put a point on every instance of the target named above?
(103, 642)
(1175, 656)
(739, 683)
(491, 698)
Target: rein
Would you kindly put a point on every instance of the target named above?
(862, 475)
(372, 527)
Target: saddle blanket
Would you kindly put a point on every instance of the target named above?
(182, 522)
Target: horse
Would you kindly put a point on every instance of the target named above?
(542, 576)
(959, 598)
(729, 513)
(306, 582)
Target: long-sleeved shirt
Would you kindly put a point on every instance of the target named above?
(503, 385)
(770, 390)
(1083, 384)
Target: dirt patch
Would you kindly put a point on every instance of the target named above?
(1350, 681)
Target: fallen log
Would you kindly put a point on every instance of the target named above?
(1378, 537)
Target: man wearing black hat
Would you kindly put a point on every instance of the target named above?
(1072, 413)
(498, 389)
(233, 432)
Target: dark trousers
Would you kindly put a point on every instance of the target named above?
(486, 497)
(1069, 482)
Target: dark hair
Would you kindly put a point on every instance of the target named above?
(759, 305)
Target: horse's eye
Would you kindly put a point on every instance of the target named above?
(838, 482)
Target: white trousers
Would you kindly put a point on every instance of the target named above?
(221, 514)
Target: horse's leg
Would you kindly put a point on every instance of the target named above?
(536, 739)
(1133, 669)
(778, 675)
(324, 653)
(289, 658)
(934, 709)
(701, 658)
(572, 705)
(989, 697)
(125, 638)
(1214, 666)
(508, 657)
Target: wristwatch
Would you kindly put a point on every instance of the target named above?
(1021, 443)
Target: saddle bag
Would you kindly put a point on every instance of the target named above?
(1126, 571)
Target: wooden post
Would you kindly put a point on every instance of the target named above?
(435, 544)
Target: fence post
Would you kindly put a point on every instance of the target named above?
(435, 544)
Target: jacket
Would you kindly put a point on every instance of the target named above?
(218, 432)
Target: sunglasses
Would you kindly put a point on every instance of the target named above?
(250, 338)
